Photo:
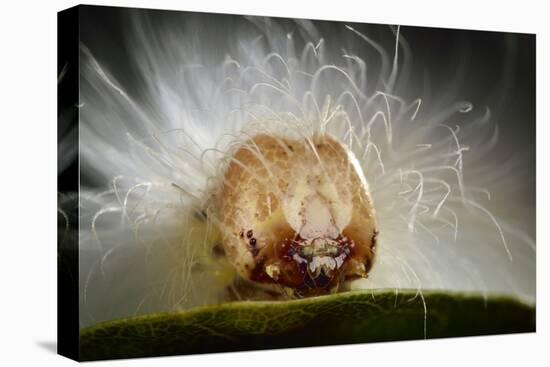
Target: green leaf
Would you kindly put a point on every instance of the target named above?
(352, 317)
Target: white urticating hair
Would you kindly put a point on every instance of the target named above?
(156, 150)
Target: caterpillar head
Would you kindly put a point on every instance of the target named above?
(296, 213)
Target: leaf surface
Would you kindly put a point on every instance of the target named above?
(343, 318)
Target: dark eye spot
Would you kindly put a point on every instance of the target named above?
(249, 233)
(218, 251)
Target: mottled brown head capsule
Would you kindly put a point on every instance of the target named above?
(297, 213)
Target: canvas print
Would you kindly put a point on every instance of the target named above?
(239, 182)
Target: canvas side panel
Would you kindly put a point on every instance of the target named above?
(67, 182)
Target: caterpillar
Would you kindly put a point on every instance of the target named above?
(281, 160)
(297, 213)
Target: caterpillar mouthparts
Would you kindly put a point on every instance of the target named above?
(296, 213)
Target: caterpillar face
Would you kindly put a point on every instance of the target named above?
(297, 213)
